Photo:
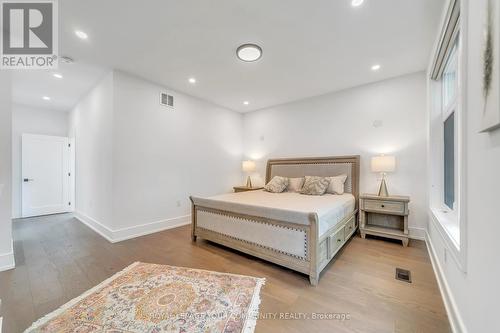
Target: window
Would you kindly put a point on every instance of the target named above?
(449, 86)
(445, 201)
(449, 161)
(447, 130)
(449, 78)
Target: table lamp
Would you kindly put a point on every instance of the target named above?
(248, 167)
(383, 164)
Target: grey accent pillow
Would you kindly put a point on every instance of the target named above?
(277, 184)
(314, 185)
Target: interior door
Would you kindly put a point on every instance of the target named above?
(46, 176)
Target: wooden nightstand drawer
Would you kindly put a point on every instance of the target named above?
(384, 206)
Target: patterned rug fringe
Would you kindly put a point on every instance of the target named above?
(253, 310)
(72, 302)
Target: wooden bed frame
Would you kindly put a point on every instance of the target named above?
(319, 250)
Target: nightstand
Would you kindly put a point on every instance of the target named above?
(245, 188)
(384, 216)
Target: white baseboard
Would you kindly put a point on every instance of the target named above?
(122, 234)
(417, 233)
(456, 321)
(95, 225)
(7, 260)
(149, 228)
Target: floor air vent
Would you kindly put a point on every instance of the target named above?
(403, 275)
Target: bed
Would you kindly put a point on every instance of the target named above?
(300, 232)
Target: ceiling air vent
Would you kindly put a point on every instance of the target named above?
(166, 100)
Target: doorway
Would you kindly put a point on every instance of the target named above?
(47, 175)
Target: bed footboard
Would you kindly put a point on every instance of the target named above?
(292, 245)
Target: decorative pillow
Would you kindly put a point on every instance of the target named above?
(315, 185)
(295, 184)
(337, 184)
(277, 184)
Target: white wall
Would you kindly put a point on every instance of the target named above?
(475, 293)
(91, 125)
(6, 251)
(31, 120)
(161, 156)
(138, 162)
(342, 123)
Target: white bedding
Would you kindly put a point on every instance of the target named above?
(287, 206)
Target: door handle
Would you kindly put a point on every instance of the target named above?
(28, 180)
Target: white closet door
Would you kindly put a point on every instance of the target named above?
(45, 175)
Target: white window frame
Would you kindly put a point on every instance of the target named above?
(441, 216)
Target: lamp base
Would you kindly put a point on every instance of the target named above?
(382, 192)
(249, 182)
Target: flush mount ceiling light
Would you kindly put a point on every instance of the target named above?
(249, 52)
(46, 98)
(246, 102)
(57, 75)
(375, 67)
(80, 34)
(192, 80)
(357, 3)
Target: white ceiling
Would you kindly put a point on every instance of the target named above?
(30, 86)
(309, 47)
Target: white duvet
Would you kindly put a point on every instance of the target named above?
(287, 206)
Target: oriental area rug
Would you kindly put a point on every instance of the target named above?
(160, 298)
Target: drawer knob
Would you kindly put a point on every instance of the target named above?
(339, 240)
(383, 205)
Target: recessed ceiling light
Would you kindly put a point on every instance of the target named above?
(192, 80)
(80, 34)
(47, 98)
(57, 75)
(357, 3)
(246, 102)
(249, 52)
(375, 67)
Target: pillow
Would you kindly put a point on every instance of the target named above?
(315, 185)
(277, 184)
(337, 184)
(295, 184)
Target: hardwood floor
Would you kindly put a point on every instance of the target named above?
(58, 258)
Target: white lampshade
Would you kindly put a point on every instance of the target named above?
(383, 163)
(248, 166)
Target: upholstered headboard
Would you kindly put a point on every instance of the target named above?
(318, 166)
